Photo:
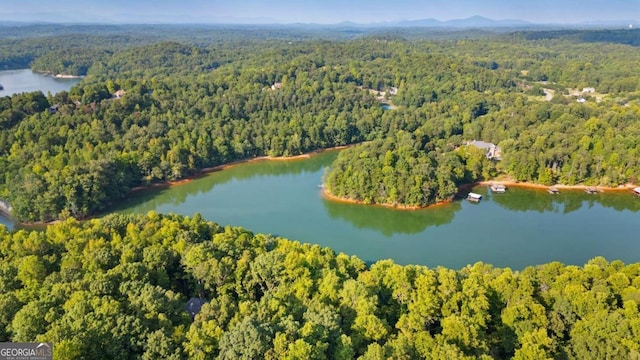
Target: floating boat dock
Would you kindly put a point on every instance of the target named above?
(591, 190)
(498, 188)
(637, 191)
(473, 197)
(553, 191)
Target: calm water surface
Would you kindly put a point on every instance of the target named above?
(24, 80)
(516, 229)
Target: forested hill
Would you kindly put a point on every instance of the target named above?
(158, 109)
(627, 37)
(183, 106)
(116, 288)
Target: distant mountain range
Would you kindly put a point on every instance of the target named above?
(483, 22)
(471, 22)
(468, 23)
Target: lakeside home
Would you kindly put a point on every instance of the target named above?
(493, 151)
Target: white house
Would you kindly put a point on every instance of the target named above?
(493, 151)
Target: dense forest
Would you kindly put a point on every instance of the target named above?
(227, 94)
(116, 288)
(403, 171)
(160, 103)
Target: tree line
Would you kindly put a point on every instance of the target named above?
(188, 106)
(117, 288)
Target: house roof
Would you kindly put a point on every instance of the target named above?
(481, 144)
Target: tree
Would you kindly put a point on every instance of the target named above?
(248, 339)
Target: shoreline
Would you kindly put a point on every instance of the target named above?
(207, 170)
(525, 185)
(466, 187)
(331, 197)
(198, 174)
(58, 76)
(64, 76)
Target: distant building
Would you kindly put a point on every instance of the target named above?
(588, 90)
(581, 100)
(493, 151)
(393, 90)
(119, 94)
(276, 86)
(54, 109)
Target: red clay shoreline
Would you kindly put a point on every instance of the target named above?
(466, 187)
(599, 188)
(200, 173)
(327, 195)
(331, 197)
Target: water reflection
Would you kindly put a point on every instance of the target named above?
(516, 229)
(567, 201)
(203, 184)
(389, 221)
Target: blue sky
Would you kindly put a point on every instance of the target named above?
(315, 11)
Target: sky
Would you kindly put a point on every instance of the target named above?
(315, 11)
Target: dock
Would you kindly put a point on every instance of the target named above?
(591, 190)
(636, 191)
(498, 188)
(553, 191)
(473, 197)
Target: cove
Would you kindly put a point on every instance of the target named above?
(25, 80)
(519, 228)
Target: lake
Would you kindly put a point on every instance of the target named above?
(25, 80)
(519, 228)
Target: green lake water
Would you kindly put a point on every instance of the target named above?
(515, 229)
